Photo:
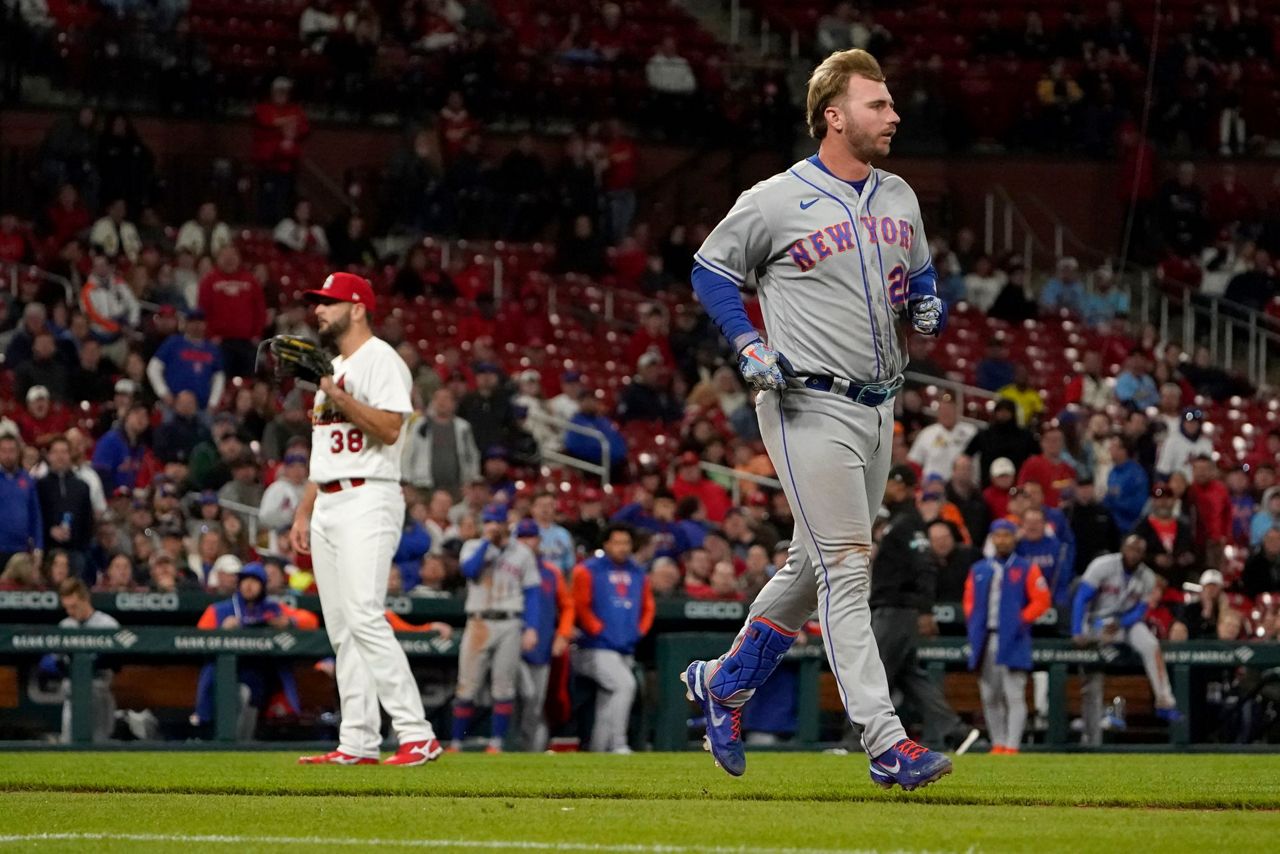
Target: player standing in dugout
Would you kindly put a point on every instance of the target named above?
(839, 251)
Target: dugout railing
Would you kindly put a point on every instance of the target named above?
(669, 712)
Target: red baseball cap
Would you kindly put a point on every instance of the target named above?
(344, 287)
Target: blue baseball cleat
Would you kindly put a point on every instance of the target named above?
(1170, 715)
(909, 765)
(724, 724)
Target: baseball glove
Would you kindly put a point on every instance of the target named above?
(298, 358)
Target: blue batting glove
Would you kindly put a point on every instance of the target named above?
(761, 366)
(928, 315)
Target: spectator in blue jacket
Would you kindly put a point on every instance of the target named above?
(1065, 290)
(415, 542)
(995, 369)
(1127, 486)
(187, 361)
(21, 525)
(1135, 384)
(587, 448)
(119, 453)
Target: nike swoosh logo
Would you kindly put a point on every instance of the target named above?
(804, 206)
(894, 770)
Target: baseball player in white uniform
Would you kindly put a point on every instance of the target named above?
(350, 520)
(840, 254)
(1109, 604)
(503, 583)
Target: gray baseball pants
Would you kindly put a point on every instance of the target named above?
(531, 690)
(611, 671)
(1004, 699)
(1147, 646)
(832, 456)
(490, 651)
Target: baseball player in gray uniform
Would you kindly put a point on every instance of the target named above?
(838, 249)
(502, 603)
(1110, 602)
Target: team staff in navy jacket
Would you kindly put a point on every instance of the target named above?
(21, 525)
(1003, 596)
(613, 607)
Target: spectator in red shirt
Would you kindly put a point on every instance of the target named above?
(15, 246)
(723, 586)
(66, 217)
(41, 422)
(997, 494)
(609, 37)
(620, 180)
(236, 311)
(280, 126)
(652, 335)
(1212, 504)
(1048, 468)
(456, 125)
(689, 481)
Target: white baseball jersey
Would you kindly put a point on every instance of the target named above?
(1118, 591)
(832, 264)
(936, 447)
(374, 375)
(507, 572)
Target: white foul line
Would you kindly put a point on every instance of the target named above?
(508, 844)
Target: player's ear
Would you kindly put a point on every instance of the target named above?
(835, 119)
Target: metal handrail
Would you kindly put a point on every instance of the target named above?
(600, 469)
(248, 511)
(14, 270)
(1230, 325)
(735, 490)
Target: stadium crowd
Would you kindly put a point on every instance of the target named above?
(146, 454)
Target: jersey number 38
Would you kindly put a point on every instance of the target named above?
(351, 440)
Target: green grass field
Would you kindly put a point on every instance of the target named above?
(643, 803)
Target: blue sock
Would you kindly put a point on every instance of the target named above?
(462, 713)
(751, 661)
(502, 718)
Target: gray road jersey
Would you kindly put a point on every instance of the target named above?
(1117, 592)
(506, 574)
(832, 267)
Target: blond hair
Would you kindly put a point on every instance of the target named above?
(21, 571)
(830, 80)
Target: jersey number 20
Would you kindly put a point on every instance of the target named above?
(352, 440)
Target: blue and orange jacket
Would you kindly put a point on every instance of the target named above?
(613, 604)
(1024, 596)
(554, 614)
(251, 614)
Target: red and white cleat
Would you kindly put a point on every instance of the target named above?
(416, 753)
(336, 757)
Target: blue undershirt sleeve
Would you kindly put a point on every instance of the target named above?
(1133, 615)
(1084, 593)
(720, 297)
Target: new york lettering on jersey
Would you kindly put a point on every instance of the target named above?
(834, 265)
